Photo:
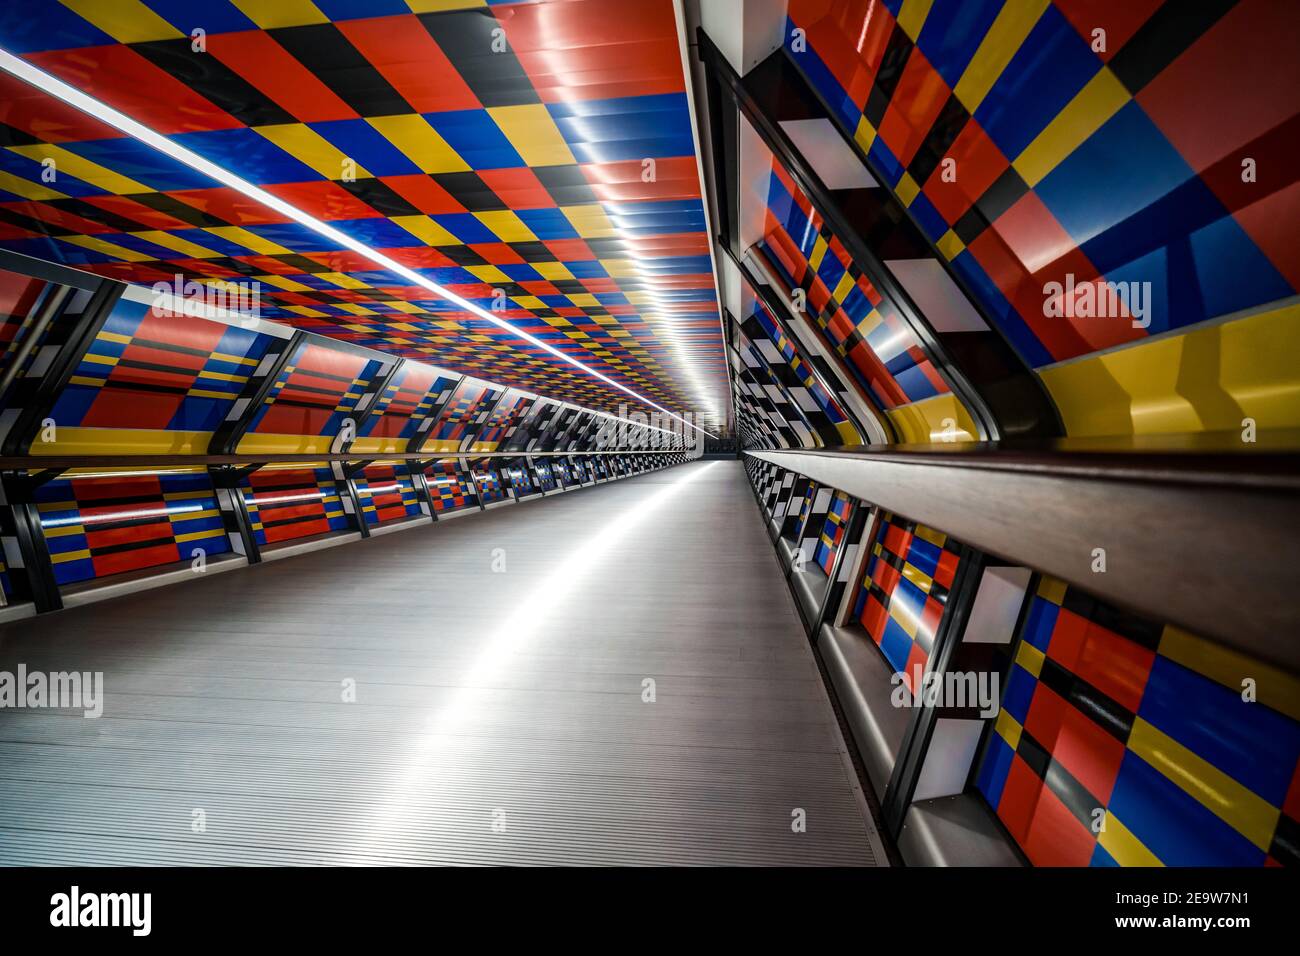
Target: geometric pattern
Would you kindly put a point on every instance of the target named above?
(787, 363)
(154, 382)
(1110, 717)
(401, 409)
(99, 526)
(500, 425)
(536, 159)
(832, 536)
(448, 489)
(859, 322)
(288, 503)
(386, 492)
(311, 399)
(469, 404)
(18, 294)
(488, 479)
(1122, 163)
(904, 592)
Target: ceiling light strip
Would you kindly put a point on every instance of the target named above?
(105, 113)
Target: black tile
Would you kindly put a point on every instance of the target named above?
(212, 79)
(326, 52)
(467, 38)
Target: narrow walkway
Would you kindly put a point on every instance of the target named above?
(499, 715)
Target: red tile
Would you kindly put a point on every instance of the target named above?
(518, 188)
(256, 57)
(324, 199)
(1231, 86)
(122, 78)
(1119, 20)
(978, 165)
(915, 105)
(402, 50)
(577, 51)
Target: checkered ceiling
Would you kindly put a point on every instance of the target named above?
(534, 158)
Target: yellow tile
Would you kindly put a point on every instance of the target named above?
(995, 51)
(1030, 658)
(907, 189)
(864, 135)
(107, 248)
(950, 245)
(533, 134)
(285, 283)
(28, 189)
(126, 21)
(818, 253)
(249, 240)
(589, 220)
(175, 243)
(1008, 729)
(281, 13)
(506, 225)
(936, 538)
(422, 144)
(426, 230)
(307, 146)
(437, 6)
(1098, 101)
(1051, 589)
(1125, 848)
(912, 16)
(488, 273)
(552, 270)
(81, 168)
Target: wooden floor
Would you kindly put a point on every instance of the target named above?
(500, 715)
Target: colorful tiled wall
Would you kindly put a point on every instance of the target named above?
(490, 486)
(546, 479)
(449, 486)
(841, 430)
(1151, 155)
(288, 503)
(311, 399)
(505, 417)
(406, 402)
(903, 595)
(386, 493)
(1122, 741)
(153, 382)
(98, 526)
(833, 531)
(455, 424)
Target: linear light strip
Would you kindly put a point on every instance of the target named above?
(101, 111)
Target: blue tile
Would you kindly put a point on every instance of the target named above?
(28, 26)
(476, 138)
(247, 155)
(360, 141)
(1049, 68)
(952, 33)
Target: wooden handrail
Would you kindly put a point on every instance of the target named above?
(1207, 542)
